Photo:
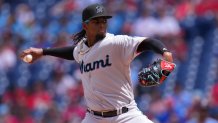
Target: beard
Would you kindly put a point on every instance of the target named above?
(99, 37)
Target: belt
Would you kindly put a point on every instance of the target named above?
(108, 113)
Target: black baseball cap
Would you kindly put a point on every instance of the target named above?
(94, 11)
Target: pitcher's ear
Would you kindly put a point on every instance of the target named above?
(84, 25)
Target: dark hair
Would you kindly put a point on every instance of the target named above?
(79, 36)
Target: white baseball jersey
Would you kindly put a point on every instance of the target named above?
(105, 70)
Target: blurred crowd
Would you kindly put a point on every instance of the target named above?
(50, 90)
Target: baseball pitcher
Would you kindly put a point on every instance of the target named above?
(104, 60)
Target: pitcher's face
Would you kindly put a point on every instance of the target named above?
(96, 27)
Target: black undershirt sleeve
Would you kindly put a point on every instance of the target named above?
(152, 44)
(62, 52)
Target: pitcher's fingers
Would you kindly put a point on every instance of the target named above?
(27, 51)
(22, 55)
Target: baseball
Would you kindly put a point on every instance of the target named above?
(28, 58)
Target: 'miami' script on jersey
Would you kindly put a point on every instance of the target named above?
(105, 71)
(95, 65)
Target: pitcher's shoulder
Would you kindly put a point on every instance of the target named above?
(115, 37)
(77, 50)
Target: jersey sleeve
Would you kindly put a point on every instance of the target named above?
(127, 47)
(76, 54)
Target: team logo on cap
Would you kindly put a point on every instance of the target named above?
(99, 9)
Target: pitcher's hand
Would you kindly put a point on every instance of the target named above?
(168, 56)
(35, 52)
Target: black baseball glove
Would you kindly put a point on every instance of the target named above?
(155, 73)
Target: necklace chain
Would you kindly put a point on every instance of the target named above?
(81, 47)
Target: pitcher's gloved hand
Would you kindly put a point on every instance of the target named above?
(155, 73)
